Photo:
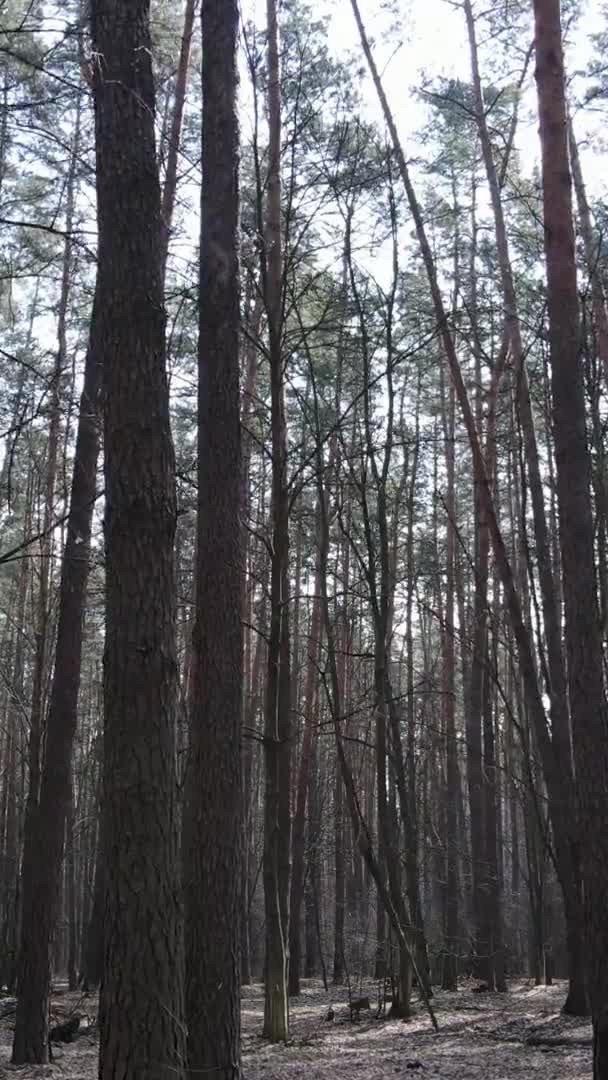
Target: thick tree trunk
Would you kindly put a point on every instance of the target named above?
(141, 994)
(213, 828)
(588, 704)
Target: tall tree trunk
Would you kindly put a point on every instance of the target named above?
(312, 944)
(450, 964)
(411, 832)
(339, 967)
(92, 946)
(474, 689)
(588, 704)
(141, 994)
(277, 824)
(70, 873)
(10, 861)
(521, 632)
(213, 832)
(560, 727)
(299, 820)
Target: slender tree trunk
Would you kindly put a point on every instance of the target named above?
(92, 949)
(410, 773)
(277, 824)
(592, 252)
(44, 843)
(299, 820)
(179, 100)
(49, 794)
(339, 968)
(17, 415)
(450, 965)
(70, 873)
(10, 863)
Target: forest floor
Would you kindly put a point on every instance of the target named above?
(511, 1036)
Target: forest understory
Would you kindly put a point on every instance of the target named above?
(521, 1034)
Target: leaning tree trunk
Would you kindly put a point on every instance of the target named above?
(588, 704)
(47, 808)
(43, 852)
(141, 1031)
(179, 101)
(213, 829)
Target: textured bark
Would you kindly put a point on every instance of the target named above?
(141, 1032)
(588, 704)
(213, 831)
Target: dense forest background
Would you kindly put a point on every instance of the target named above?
(344, 670)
